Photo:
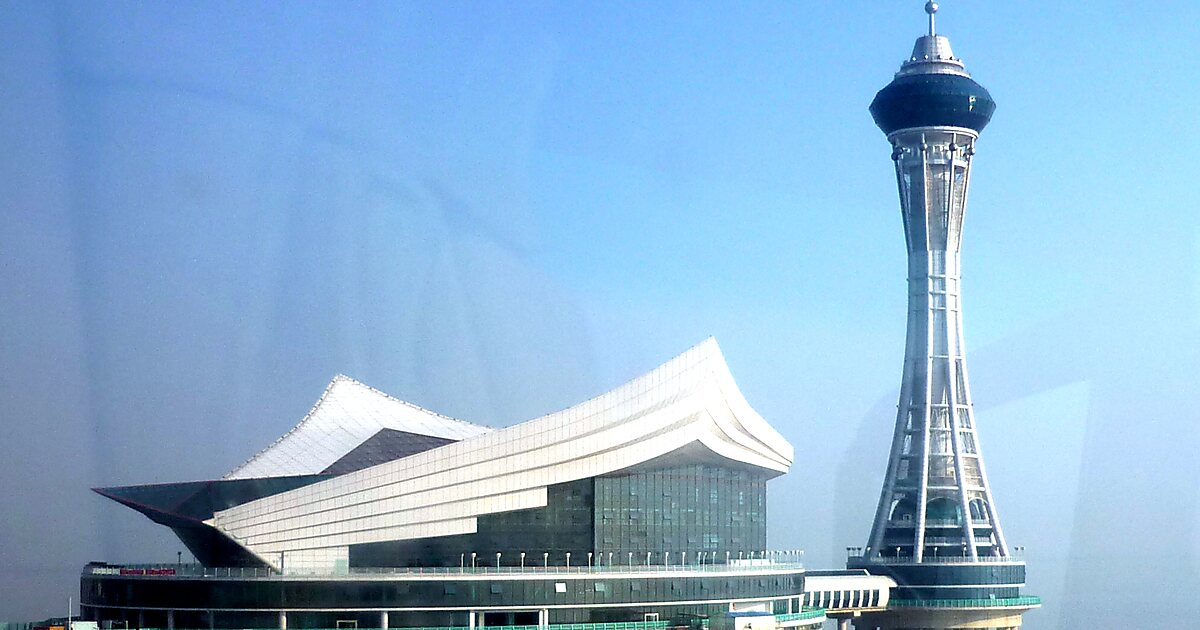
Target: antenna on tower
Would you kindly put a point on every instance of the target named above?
(931, 8)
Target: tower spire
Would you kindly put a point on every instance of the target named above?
(931, 8)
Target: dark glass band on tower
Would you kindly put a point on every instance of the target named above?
(932, 100)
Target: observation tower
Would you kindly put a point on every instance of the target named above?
(937, 531)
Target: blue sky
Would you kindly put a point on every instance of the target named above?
(496, 210)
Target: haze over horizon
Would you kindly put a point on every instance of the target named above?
(496, 211)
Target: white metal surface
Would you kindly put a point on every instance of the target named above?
(345, 416)
(932, 53)
(690, 405)
(871, 591)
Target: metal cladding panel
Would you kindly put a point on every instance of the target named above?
(184, 507)
(691, 399)
(191, 502)
(348, 414)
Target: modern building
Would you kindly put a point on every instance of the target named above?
(641, 508)
(645, 505)
(937, 531)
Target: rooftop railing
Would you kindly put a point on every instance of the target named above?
(954, 540)
(805, 615)
(938, 522)
(863, 560)
(812, 613)
(613, 625)
(200, 571)
(618, 625)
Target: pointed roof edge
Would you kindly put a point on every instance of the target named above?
(708, 353)
(706, 348)
(704, 351)
(341, 378)
(690, 399)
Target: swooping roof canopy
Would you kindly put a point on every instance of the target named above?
(689, 404)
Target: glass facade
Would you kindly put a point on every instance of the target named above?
(930, 100)
(618, 519)
(954, 581)
(563, 526)
(246, 603)
(688, 509)
(616, 523)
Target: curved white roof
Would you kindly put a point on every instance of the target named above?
(347, 414)
(689, 405)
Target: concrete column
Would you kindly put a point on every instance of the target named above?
(844, 624)
(212, 620)
(283, 620)
(543, 618)
(170, 620)
(141, 618)
(383, 619)
(471, 619)
(790, 605)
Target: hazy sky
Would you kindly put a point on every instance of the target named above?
(495, 210)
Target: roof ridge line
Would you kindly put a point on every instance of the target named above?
(705, 351)
(306, 418)
(343, 378)
(706, 348)
(406, 403)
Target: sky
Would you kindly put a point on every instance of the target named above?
(495, 210)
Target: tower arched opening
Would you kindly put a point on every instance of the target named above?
(943, 509)
(979, 510)
(903, 510)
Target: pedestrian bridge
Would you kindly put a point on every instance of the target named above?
(844, 595)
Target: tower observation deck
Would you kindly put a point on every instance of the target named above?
(937, 531)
